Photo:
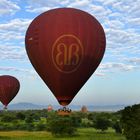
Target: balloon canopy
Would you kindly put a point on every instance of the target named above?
(9, 87)
(65, 46)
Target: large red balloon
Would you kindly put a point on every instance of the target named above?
(9, 87)
(65, 46)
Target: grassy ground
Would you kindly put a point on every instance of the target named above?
(84, 134)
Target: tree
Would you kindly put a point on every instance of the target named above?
(86, 122)
(131, 122)
(29, 119)
(40, 126)
(61, 125)
(8, 118)
(117, 127)
(102, 123)
(20, 116)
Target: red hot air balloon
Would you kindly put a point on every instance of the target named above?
(65, 46)
(9, 87)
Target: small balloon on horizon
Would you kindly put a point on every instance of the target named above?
(9, 87)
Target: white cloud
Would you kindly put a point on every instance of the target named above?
(134, 21)
(119, 18)
(99, 12)
(12, 34)
(13, 53)
(79, 3)
(27, 73)
(8, 7)
(35, 6)
(117, 66)
(38, 10)
(13, 30)
(15, 25)
(134, 61)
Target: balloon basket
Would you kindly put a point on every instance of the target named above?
(64, 111)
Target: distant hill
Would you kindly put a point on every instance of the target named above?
(30, 106)
(24, 106)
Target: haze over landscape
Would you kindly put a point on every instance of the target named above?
(116, 80)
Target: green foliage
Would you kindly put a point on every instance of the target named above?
(131, 122)
(86, 122)
(117, 127)
(29, 119)
(76, 119)
(8, 118)
(102, 123)
(62, 125)
(84, 134)
(20, 116)
(40, 127)
(29, 126)
(40, 120)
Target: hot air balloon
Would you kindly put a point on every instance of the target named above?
(65, 46)
(9, 87)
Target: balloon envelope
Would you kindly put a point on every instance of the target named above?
(65, 46)
(9, 87)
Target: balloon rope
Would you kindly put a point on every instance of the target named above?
(5, 108)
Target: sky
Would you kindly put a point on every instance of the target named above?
(117, 79)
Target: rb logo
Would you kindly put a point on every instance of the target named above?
(67, 53)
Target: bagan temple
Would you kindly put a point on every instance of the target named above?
(84, 109)
(49, 108)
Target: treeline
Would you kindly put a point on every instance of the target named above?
(130, 121)
(125, 122)
(37, 120)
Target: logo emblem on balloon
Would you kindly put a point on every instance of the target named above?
(67, 53)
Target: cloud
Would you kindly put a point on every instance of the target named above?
(12, 34)
(79, 3)
(15, 25)
(134, 21)
(13, 30)
(21, 71)
(120, 20)
(8, 7)
(105, 69)
(35, 6)
(134, 60)
(13, 53)
(38, 10)
(117, 66)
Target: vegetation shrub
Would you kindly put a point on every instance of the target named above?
(62, 125)
(20, 116)
(102, 123)
(85, 122)
(117, 126)
(40, 127)
(131, 122)
(8, 118)
(30, 126)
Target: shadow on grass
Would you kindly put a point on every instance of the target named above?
(66, 136)
(4, 138)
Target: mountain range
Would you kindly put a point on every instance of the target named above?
(31, 106)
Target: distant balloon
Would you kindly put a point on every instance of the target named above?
(9, 87)
(65, 46)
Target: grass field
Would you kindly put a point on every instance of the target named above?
(84, 134)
